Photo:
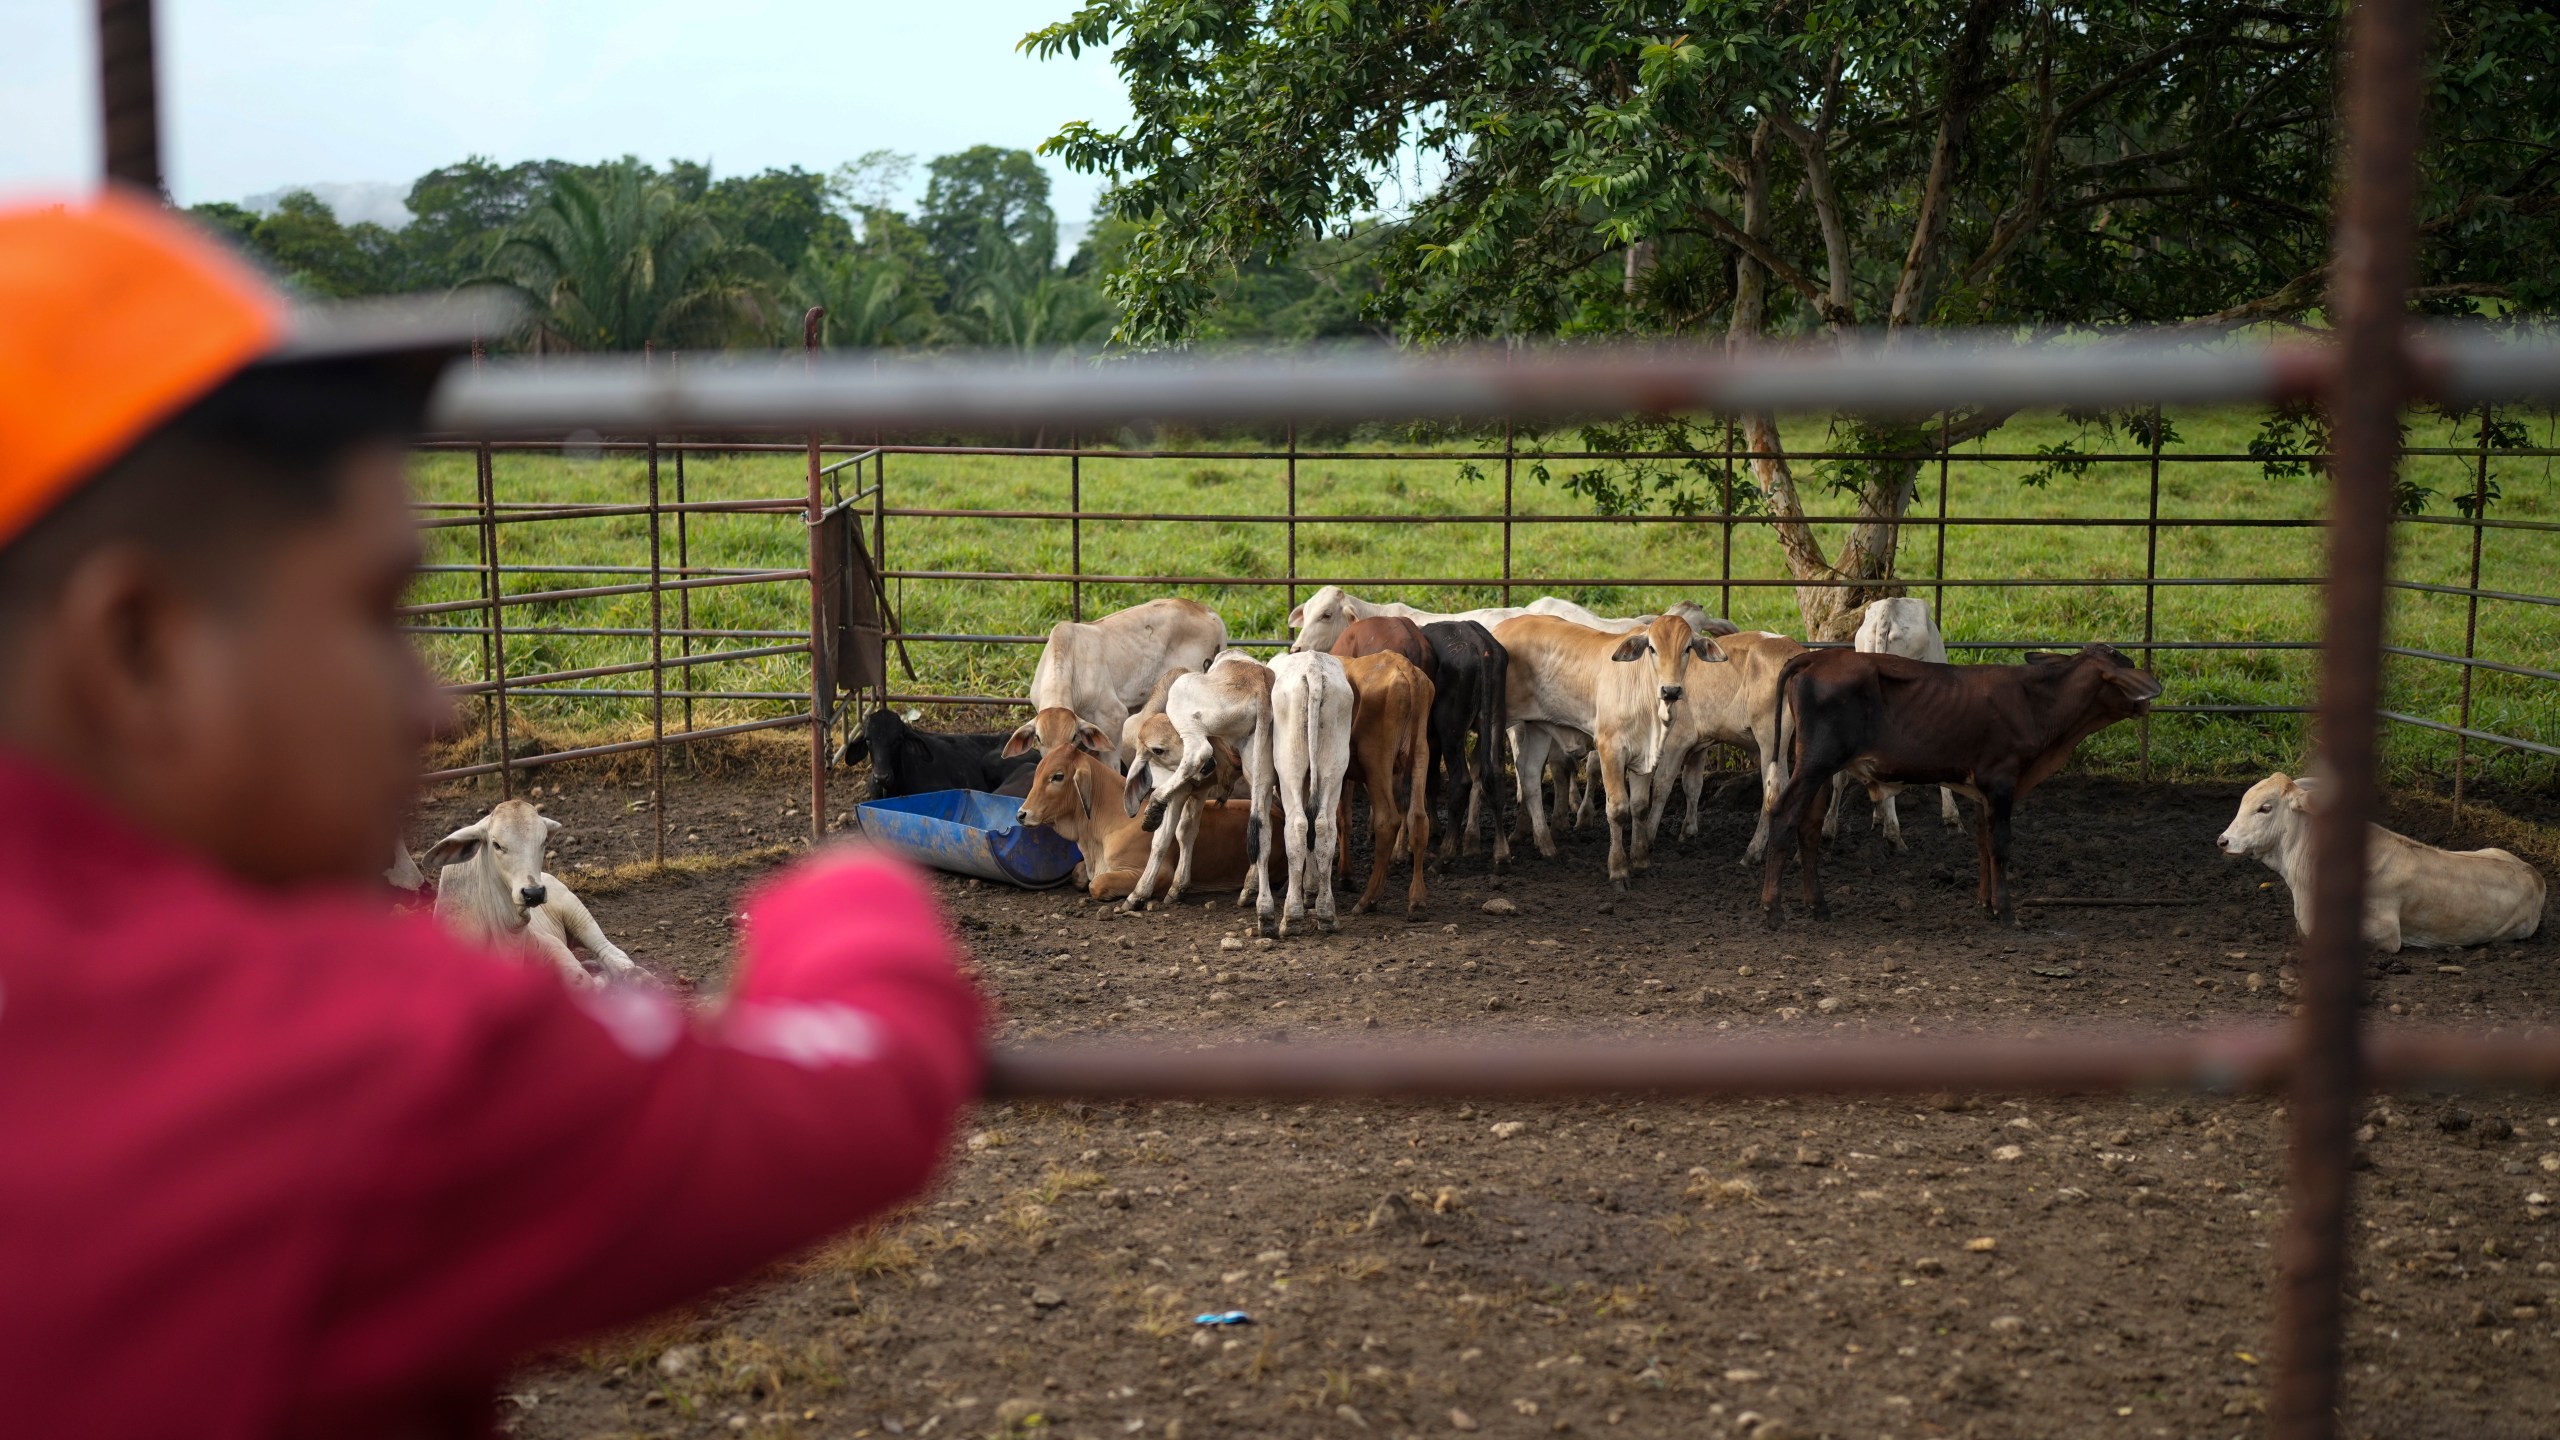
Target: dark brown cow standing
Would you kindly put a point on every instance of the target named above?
(1990, 732)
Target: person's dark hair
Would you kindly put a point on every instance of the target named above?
(249, 462)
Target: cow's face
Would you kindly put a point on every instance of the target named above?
(1055, 729)
(1668, 647)
(1321, 620)
(1061, 792)
(512, 849)
(1155, 763)
(2272, 807)
(1898, 626)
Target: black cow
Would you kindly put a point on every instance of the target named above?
(908, 761)
(1474, 674)
(1989, 732)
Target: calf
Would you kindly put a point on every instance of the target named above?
(492, 884)
(1390, 742)
(908, 761)
(1896, 626)
(1153, 705)
(1618, 689)
(1733, 704)
(1322, 619)
(1994, 732)
(1230, 701)
(1074, 792)
(2415, 894)
(1098, 671)
(1472, 673)
(1311, 719)
(1387, 634)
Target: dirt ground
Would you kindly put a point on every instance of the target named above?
(1989, 1267)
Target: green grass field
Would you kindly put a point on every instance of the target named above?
(1239, 552)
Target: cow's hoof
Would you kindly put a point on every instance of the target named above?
(1618, 883)
(1328, 924)
(1769, 918)
(1266, 927)
(1820, 910)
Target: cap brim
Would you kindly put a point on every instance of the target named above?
(411, 337)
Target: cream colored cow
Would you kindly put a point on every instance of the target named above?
(2415, 894)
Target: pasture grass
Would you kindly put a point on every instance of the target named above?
(1238, 566)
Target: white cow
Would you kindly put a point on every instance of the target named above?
(1230, 701)
(1312, 710)
(1094, 673)
(2415, 894)
(1323, 616)
(1896, 626)
(492, 884)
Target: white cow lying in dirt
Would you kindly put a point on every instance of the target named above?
(493, 885)
(2415, 894)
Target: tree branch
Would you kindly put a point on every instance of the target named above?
(1963, 92)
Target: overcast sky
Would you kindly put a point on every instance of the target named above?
(257, 95)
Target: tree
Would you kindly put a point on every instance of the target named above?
(781, 212)
(459, 213)
(303, 243)
(620, 260)
(1761, 169)
(987, 208)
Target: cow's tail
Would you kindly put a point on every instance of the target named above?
(1786, 688)
(1418, 800)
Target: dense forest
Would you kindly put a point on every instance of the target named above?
(624, 254)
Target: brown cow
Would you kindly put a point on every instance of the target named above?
(1990, 732)
(1385, 634)
(1078, 795)
(1390, 742)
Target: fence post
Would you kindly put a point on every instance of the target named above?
(2381, 97)
(1724, 582)
(495, 586)
(684, 598)
(1938, 600)
(2471, 615)
(2150, 578)
(820, 683)
(880, 552)
(1509, 454)
(1075, 528)
(1293, 517)
(657, 658)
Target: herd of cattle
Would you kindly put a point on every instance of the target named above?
(1172, 760)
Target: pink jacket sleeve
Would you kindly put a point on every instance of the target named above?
(562, 1163)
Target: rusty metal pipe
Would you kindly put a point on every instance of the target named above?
(129, 94)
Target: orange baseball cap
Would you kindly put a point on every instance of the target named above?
(116, 315)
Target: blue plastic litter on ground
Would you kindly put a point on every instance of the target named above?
(1224, 1317)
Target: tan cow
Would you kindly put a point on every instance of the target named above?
(1099, 671)
(1231, 701)
(2415, 894)
(1733, 704)
(1390, 741)
(490, 882)
(1076, 793)
(1618, 689)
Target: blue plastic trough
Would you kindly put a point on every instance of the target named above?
(970, 832)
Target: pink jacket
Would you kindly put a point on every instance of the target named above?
(289, 1165)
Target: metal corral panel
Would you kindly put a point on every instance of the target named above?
(970, 832)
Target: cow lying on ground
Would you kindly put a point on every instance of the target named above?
(1077, 794)
(1390, 760)
(1617, 689)
(908, 761)
(492, 884)
(1899, 625)
(1096, 672)
(1994, 732)
(2415, 894)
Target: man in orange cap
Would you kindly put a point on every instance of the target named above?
(273, 1161)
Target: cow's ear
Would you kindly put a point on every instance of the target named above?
(456, 848)
(856, 750)
(1634, 647)
(1140, 784)
(1091, 740)
(1084, 790)
(550, 826)
(2046, 657)
(1297, 616)
(1706, 648)
(1718, 625)
(1228, 759)
(1021, 739)
(2304, 794)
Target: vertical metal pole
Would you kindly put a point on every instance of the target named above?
(2369, 297)
(1293, 514)
(819, 682)
(684, 598)
(1938, 600)
(2150, 578)
(488, 598)
(2471, 614)
(1510, 454)
(1724, 584)
(1075, 529)
(497, 590)
(880, 550)
(129, 94)
(657, 657)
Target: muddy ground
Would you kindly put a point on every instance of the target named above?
(1988, 1267)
